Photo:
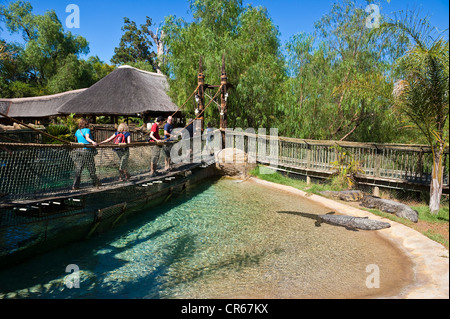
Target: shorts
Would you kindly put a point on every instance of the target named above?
(156, 151)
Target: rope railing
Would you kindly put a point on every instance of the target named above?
(29, 171)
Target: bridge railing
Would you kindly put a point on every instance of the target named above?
(391, 162)
(402, 163)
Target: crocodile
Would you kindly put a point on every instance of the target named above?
(349, 222)
(392, 207)
(348, 196)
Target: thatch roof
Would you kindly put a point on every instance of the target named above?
(125, 91)
(36, 107)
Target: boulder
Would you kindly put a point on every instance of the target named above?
(234, 162)
(390, 206)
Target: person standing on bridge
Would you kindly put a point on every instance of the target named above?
(156, 150)
(122, 136)
(84, 157)
(168, 128)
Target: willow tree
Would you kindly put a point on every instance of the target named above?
(423, 88)
(254, 65)
(136, 46)
(339, 83)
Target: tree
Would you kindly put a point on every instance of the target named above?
(49, 61)
(423, 87)
(46, 42)
(339, 83)
(136, 45)
(254, 64)
(3, 53)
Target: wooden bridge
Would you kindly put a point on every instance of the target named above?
(395, 166)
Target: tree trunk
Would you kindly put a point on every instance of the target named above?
(437, 177)
(159, 41)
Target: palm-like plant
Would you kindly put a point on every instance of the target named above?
(422, 94)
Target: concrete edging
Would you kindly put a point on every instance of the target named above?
(430, 258)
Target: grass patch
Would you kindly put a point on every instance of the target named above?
(276, 177)
(424, 214)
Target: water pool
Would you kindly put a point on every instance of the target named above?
(222, 239)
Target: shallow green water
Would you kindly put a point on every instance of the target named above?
(225, 239)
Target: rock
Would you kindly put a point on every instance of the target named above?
(348, 196)
(234, 162)
(392, 207)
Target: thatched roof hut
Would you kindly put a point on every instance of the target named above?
(124, 92)
(39, 107)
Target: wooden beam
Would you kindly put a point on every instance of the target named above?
(201, 94)
(223, 104)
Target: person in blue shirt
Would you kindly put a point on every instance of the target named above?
(122, 136)
(84, 157)
(168, 128)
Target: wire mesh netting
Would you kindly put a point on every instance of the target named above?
(33, 171)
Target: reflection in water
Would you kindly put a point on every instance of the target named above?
(219, 240)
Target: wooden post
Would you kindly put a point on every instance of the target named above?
(223, 104)
(201, 94)
(378, 159)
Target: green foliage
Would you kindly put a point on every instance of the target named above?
(50, 61)
(64, 129)
(60, 131)
(346, 168)
(340, 79)
(135, 44)
(422, 94)
(423, 90)
(254, 65)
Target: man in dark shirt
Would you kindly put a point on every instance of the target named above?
(168, 128)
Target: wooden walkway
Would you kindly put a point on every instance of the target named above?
(395, 166)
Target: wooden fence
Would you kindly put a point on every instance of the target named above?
(388, 165)
(400, 166)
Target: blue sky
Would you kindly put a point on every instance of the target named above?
(101, 20)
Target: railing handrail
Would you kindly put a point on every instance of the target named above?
(394, 146)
